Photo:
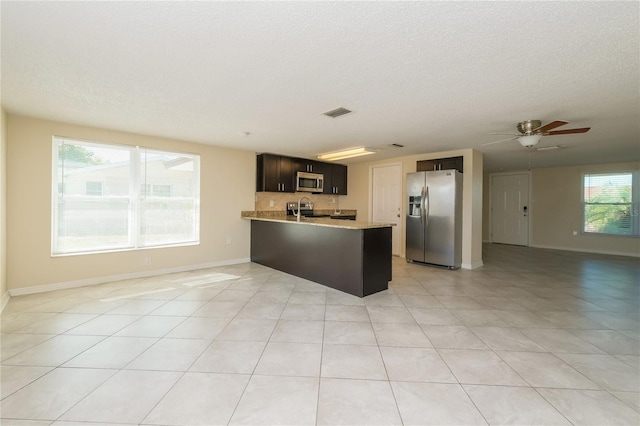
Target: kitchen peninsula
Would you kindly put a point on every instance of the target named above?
(351, 256)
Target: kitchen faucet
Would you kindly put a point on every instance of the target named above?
(299, 203)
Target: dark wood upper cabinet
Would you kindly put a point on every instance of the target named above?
(450, 163)
(277, 173)
(338, 179)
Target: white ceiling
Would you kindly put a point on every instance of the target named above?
(432, 76)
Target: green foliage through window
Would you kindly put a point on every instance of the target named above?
(609, 201)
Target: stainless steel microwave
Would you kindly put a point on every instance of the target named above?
(309, 182)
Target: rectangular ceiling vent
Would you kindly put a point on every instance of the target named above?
(336, 112)
(396, 145)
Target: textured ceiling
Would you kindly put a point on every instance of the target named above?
(432, 76)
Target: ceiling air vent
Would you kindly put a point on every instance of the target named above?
(396, 145)
(336, 112)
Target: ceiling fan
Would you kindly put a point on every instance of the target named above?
(531, 131)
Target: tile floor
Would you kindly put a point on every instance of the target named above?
(533, 337)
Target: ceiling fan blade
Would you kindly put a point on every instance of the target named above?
(506, 134)
(549, 126)
(568, 131)
(501, 140)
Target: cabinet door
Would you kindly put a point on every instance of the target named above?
(339, 179)
(287, 174)
(452, 163)
(426, 165)
(274, 173)
(268, 173)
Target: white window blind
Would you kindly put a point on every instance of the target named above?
(610, 203)
(111, 197)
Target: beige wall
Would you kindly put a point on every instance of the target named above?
(3, 207)
(556, 211)
(227, 187)
(359, 175)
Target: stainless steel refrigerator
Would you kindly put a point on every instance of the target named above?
(434, 218)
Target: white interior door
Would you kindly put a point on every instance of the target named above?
(510, 209)
(386, 200)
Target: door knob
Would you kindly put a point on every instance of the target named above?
(398, 215)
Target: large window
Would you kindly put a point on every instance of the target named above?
(113, 197)
(611, 203)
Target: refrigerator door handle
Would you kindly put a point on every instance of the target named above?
(426, 206)
(422, 206)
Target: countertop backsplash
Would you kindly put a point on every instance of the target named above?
(264, 201)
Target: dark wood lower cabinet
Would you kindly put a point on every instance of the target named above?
(356, 261)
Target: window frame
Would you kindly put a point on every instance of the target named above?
(634, 203)
(136, 194)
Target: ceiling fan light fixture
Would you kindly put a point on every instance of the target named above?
(346, 153)
(529, 140)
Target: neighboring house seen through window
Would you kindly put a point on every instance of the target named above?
(113, 197)
(611, 203)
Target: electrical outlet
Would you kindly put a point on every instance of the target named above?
(229, 240)
(575, 233)
(148, 260)
(270, 203)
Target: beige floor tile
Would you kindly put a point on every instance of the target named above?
(407, 335)
(478, 318)
(179, 308)
(55, 351)
(201, 399)
(480, 368)
(278, 400)
(559, 341)
(53, 394)
(13, 344)
(298, 331)
(354, 333)
(169, 355)
(435, 404)
(308, 298)
(104, 325)
(416, 365)
(228, 356)
(13, 378)
(294, 311)
(56, 324)
(610, 341)
(588, 407)
(127, 397)
(151, 326)
(219, 309)
(453, 337)
(352, 362)
(632, 399)
(261, 311)
(356, 402)
(607, 371)
(199, 328)
(503, 405)
(290, 359)
(349, 313)
(427, 316)
(248, 329)
(506, 339)
(546, 370)
(390, 314)
(113, 352)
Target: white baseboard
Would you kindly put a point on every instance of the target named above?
(100, 280)
(473, 265)
(4, 300)
(608, 252)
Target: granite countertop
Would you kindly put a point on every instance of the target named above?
(315, 221)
